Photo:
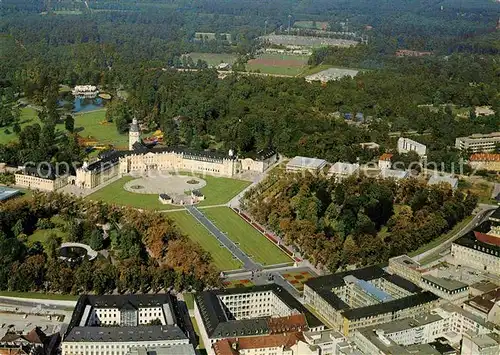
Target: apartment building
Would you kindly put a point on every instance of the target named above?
(478, 143)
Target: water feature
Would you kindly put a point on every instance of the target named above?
(82, 104)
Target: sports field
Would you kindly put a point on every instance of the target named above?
(115, 193)
(222, 258)
(249, 239)
(213, 59)
(281, 64)
(317, 25)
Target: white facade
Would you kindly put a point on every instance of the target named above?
(478, 142)
(115, 348)
(255, 304)
(406, 145)
(479, 258)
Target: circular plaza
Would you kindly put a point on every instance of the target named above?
(161, 184)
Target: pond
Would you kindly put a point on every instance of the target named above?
(82, 104)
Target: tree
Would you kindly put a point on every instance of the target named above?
(69, 123)
(96, 240)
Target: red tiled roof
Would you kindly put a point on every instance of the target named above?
(223, 347)
(228, 346)
(293, 323)
(487, 238)
(385, 156)
(484, 157)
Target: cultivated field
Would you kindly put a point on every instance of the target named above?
(281, 64)
(253, 243)
(222, 258)
(213, 59)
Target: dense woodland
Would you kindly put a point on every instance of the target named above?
(145, 252)
(137, 46)
(358, 221)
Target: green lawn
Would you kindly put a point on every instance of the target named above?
(88, 125)
(36, 295)
(217, 191)
(213, 59)
(41, 235)
(189, 299)
(114, 193)
(220, 190)
(197, 331)
(250, 240)
(222, 258)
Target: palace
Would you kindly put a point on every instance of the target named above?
(141, 159)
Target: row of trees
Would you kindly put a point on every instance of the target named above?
(146, 251)
(360, 220)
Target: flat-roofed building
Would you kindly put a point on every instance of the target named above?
(484, 344)
(407, 268)
(340, 170)
(358, 298)
(394, 174)
(450, 290)
(406, 145)
(6, 193)
(299, 163)
(478, 143)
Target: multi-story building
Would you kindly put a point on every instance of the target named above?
(485, 161)
(40, 178)
(115, 324)
(451, 290)
(359, 298)
(478, 143)
(341, 170)
(446, 324)
(486, 306)
(407, 268)
(384, 161)
(142, 159)
(241, 313)
(406, 145)
(480, 248)
(484, 344)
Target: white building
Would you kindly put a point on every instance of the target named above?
(406, 145)
(250, 315)
(447, 289)
(299, 163)
(115, 324)
(341, 170)
(384, 161)
(485, 344)
(477, 143)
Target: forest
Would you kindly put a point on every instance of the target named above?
(140, 251)
(358, 221)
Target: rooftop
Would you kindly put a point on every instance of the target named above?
(7, 193)
(408, 323)
(386, 157)
(218, 324)
(125, 334)
(306, 163)
(226, 346)
(394, 174)
(447, 284)
(485, 157)
(324, 286)
(343, 168)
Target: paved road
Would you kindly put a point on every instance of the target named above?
(248, 263)
(484, 212)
